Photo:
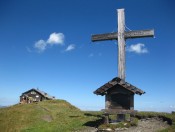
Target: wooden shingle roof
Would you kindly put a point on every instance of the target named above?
(117, 81)
(40, 92)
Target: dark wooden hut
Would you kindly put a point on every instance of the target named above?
(34, 95)
(119, 96)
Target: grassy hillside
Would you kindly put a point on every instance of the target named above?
(46, 116)
(59, 116)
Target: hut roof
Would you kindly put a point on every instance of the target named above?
(40, 92)
(117, 81)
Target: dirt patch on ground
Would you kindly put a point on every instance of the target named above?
(144, 125)
(148, 125)
(47, 118)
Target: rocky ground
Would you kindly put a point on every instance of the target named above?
(148, 125)
(144, 125)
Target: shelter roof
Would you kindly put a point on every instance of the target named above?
(118, 81)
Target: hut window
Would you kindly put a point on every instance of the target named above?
(33, 92)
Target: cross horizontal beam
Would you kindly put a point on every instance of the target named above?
(129, 34)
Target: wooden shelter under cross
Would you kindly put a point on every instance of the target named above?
(119, 95)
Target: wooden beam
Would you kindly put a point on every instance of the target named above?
(119, 111)
(107, 36)
(129, 34)
(139, 34)
(121, 44)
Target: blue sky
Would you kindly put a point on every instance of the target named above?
(46, 44)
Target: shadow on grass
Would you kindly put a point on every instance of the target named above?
(94, 123)
(94, 115)
(74, 116)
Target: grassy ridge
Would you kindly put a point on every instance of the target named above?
(59, 116)
(53, 115)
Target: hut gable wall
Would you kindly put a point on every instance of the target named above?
(118, 89)
(119, 98)
(33, 95)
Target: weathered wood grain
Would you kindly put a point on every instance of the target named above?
(121, 44)
(139, 33)
(127, 35)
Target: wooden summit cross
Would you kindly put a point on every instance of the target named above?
(119, 94)
(121, 36)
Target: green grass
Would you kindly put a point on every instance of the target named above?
(61, 116)
(46, 116)
(134, 121)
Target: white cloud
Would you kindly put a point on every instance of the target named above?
(70, 47)
(40, 45)
(56, 38)
(137, 48)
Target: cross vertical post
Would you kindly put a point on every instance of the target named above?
(121, 36)
(121, 44)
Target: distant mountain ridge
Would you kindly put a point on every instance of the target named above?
(2, 106)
